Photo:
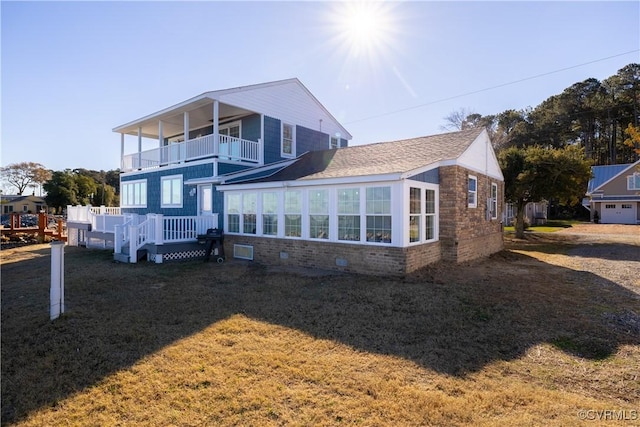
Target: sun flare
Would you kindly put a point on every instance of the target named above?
(365, 27)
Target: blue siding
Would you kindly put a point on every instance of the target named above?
(225, 168)
(430, 176)
(251, 128)
(272, 140)
(310, 140)
(189, 203)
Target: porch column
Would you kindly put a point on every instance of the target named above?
(139, 147)
(216, 128)
(122, 151)
(186, 125)
(261, 141)
(160, 134)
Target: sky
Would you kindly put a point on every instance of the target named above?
(73, 71)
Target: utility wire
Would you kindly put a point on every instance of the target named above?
(489, 88)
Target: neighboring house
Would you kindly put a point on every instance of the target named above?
(216, 133)
(535, 213)
(614, 192)
(385, 208)
(22, 204)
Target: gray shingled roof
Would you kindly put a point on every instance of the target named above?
(379, 158)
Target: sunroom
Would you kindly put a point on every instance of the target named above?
(398, 213)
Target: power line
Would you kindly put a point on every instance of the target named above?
(489, 88)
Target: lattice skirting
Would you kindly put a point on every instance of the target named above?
(177, 256)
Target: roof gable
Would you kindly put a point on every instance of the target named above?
(602, 175)
(288, 100)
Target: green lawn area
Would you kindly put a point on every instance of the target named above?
(549, 227)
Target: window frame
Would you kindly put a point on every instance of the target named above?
(319, 209)
(289, 212)
(133, 184)
(283, 153)
(172, 204)
(474, 192)
(373, 216)
(494, 200)
(633, 181)
(349, 210)
(271, 216)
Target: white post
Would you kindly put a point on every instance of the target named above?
(117, 236)
(216, 129)
(159, 229)
(160, 134)
(139, 148)
(57, 280)
(133, 244)
(183, 146)
(122, 151)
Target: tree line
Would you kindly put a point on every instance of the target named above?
(599, 116)
(67, 187)
(546, 152)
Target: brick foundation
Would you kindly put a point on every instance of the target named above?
(337, 256)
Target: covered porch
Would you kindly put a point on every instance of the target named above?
(199, 128)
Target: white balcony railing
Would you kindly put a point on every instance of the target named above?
(228, 148)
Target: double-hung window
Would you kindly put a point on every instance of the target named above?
(334, 142)
(319, 214)
(415, 213)
(494, 200)
(249, 210)
(293, 213)
(171, 190)
(430, 215)
(349, 214)
(233, 213)
(288, 140)
(270, 214)
(472, 198)
(378, 214)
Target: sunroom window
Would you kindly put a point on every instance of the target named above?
(319, 214)
(349, 214)
(233, 213)
(249, 213)
(270, 214)
(378, 214)
(292, 213)
(415, 213)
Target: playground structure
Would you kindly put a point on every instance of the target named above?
(46, 225)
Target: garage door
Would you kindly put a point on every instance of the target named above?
(618, 213)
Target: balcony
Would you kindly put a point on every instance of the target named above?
(222, 147)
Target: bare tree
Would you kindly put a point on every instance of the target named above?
(24, 174)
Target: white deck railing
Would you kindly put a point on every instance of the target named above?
(228, 148)
(157, 229)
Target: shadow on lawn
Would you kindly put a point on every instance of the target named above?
(452, 319)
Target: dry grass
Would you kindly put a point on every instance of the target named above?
(527, 337)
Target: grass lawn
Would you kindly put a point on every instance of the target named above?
(523, 338)
(548, 227)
